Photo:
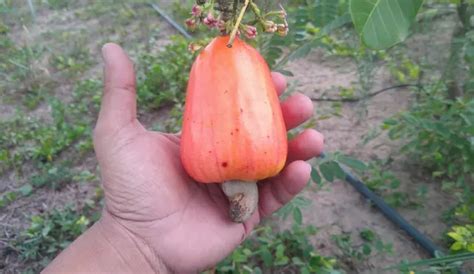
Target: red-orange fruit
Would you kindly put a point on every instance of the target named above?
(233, 128)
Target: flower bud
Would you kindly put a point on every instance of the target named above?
(270, 26)
(250, 32)
(196, 11)
(191, 23)
(210, 21)
(282, 29)
(193, 47)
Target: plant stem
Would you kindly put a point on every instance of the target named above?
(237, 23)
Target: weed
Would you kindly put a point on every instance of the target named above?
(293, 208)
(437, 131)
(173, 123)
(57, 136)
(8, 197)
(50, 233)
(267, 251)
(385, 183)
(463, 237)
(22, 71)
(54, 177)
(164, 76)
(371, 243)
(332, 167)
(59, 4)
(30, 139)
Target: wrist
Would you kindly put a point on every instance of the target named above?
(136, 255)
(107, 247)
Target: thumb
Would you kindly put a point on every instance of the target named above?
(119, 105)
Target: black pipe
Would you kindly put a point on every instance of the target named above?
(171, 21)
(391, 213)
(394, 216)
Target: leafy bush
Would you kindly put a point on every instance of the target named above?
(371, 244)
(50, 233)
(463, 237)
(439, 132)
(55, 177)
(266, 251)
(163, 76)
(385, 183)
(28, 138)
(438, 129)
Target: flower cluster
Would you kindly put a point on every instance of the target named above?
(272, 22)
(204, 14)
(272, 27)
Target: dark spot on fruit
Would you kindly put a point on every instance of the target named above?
(224, 164)
(268, 136)
(237, 130)
(226, 91)
(241, 110)
(210, 151)
(231, 133)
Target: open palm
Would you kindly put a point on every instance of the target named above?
(148, 193)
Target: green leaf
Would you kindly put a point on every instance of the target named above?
(367, 235)
(266, 257)
(285, 72)
(302, 51)
(336, 23)
(315, 176)
(327, 172)
(455, 236)
(383, 23)
(470, 247)
(26, 190)
(456, 246)
(297, 216)
(332, 170)
(352, 163)
(339, 173)
(324, 12)
(297, 261)
(366, 249)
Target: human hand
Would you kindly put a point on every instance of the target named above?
(174, 220)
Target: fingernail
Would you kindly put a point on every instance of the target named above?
(106, 52)
(308, 167)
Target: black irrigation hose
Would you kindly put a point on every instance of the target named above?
(388, 211)
(393, 215)
(173, 23)
(355, 99)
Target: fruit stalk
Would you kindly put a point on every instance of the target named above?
(237, 23)
(242, 138)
